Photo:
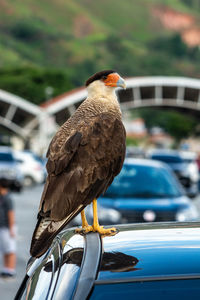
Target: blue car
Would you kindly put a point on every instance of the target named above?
(148, 191)
(142, 261)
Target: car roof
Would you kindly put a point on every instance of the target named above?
(188, 155)
(138, 252)
(172, 152)
(144, 162)
(21, 154)
(164, 152)
(152, 251)
(25, 156)
(6, 149)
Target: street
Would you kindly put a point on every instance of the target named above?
(26, 206)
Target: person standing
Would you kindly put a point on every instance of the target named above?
(7, 231)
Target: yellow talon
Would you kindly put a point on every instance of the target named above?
(105, 231)
(95, 227)
(84, 229)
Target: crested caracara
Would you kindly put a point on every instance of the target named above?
(84, 156)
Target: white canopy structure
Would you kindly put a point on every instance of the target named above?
(28, 120)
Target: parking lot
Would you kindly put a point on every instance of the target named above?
(26, 205)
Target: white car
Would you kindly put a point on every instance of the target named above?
(32, 168)
(9, 168)
(184, 164)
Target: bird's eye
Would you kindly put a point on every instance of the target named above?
(104, 77)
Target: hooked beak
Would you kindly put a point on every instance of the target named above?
(121, 83)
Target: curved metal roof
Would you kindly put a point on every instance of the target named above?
(18, 114)
(181, 92)
(19, 102)
(24, 117)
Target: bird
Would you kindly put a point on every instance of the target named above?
(83, 158)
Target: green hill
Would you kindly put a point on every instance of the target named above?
(80, 37)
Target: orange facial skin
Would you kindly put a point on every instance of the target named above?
(112, 80)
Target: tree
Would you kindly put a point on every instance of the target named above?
(175, 123)
(31, 82)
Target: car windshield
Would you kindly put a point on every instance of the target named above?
(6, 157)
(144, 182)
(168, 158)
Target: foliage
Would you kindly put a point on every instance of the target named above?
(175, 123)
(26, 31)
(61, 43)
(174, 46)
(85, 36)
(131, 141)
(32, 83)
(192, 3)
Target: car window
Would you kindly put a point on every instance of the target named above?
(37, 158)
(144, 182)
(143, 290)
(188, 160)
(7, 157)
(168, 158)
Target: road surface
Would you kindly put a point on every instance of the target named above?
(26, 206)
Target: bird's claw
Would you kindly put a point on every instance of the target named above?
(84, 229)
(105, 231)
(100, 229)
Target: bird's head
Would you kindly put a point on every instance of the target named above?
(107, 79)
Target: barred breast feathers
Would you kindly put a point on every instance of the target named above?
(100, 99)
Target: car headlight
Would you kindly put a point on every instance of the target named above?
(149, 216)
(187, 214)
(104, 213)
(110, 214)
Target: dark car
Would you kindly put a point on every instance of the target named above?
(142, 261)
(184, 165)
(147, 191)
(9, 169)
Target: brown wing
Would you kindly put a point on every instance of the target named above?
(90, 160)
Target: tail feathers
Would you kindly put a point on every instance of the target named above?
(44, 236)
(44, 223)
(46, 230)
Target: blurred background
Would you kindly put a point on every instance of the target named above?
(48, 49)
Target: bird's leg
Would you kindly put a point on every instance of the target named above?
(84, 220)
(85, 226)
(97, 227)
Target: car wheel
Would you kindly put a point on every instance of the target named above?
(28, 181)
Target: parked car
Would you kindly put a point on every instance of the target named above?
(184, 164)
(31, 167)
(142, 261)
(135, 152)
(9, 169)
(148, 191)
